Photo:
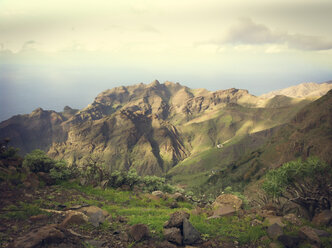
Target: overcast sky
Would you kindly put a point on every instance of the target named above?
(64, 52)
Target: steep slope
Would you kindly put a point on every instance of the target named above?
(151, 127)
(302, 90)
(309, 133)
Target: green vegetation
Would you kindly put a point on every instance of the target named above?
(11, 152)
(305, 183)
(20, 211)
(142, 209)
(38, 161)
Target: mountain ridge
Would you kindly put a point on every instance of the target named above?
(302, 90)
(149, 127)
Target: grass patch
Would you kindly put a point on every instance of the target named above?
(229, 227)
(21, 211)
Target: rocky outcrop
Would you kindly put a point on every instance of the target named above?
(44, 235)
(179, 230)
(226, 204)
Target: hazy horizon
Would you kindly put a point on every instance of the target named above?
(65, 52)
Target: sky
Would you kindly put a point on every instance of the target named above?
(55, 53)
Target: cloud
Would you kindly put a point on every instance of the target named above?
(247, 32)
(28, 45)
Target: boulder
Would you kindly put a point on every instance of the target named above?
(324, 218)
(176, 219)
(309, 234)
(228, 199)
(322, 233)
(95, 214)
(173, 234)
(76, 218)
(178, 197)
(158, 193)
(190, 234)
(274, 219)
(226, 204)
(292, 219)
(274, 231)
(289, 241)
(223, 210)
(139, 232)
(44, 235)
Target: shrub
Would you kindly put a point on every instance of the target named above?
(152, 183)
(305, 183)
(38, 161)
(60, 171)
(10, 152)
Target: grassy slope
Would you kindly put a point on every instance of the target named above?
(240, 129)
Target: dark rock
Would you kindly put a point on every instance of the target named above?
(321, 233)
(190, 234)
(309, 234)
(274, 231)
(324, 218)
(173, 234)
(166, 244)
(139, 232)
(289, 241)
(96, 243)
(124, 236)
(176, 219)
(174, 205)
(46, 178)
(44, 235)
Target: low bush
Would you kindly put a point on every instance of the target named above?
(38, 161)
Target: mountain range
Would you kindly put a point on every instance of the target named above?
(186, 134)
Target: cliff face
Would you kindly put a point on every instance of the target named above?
(149, 127)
